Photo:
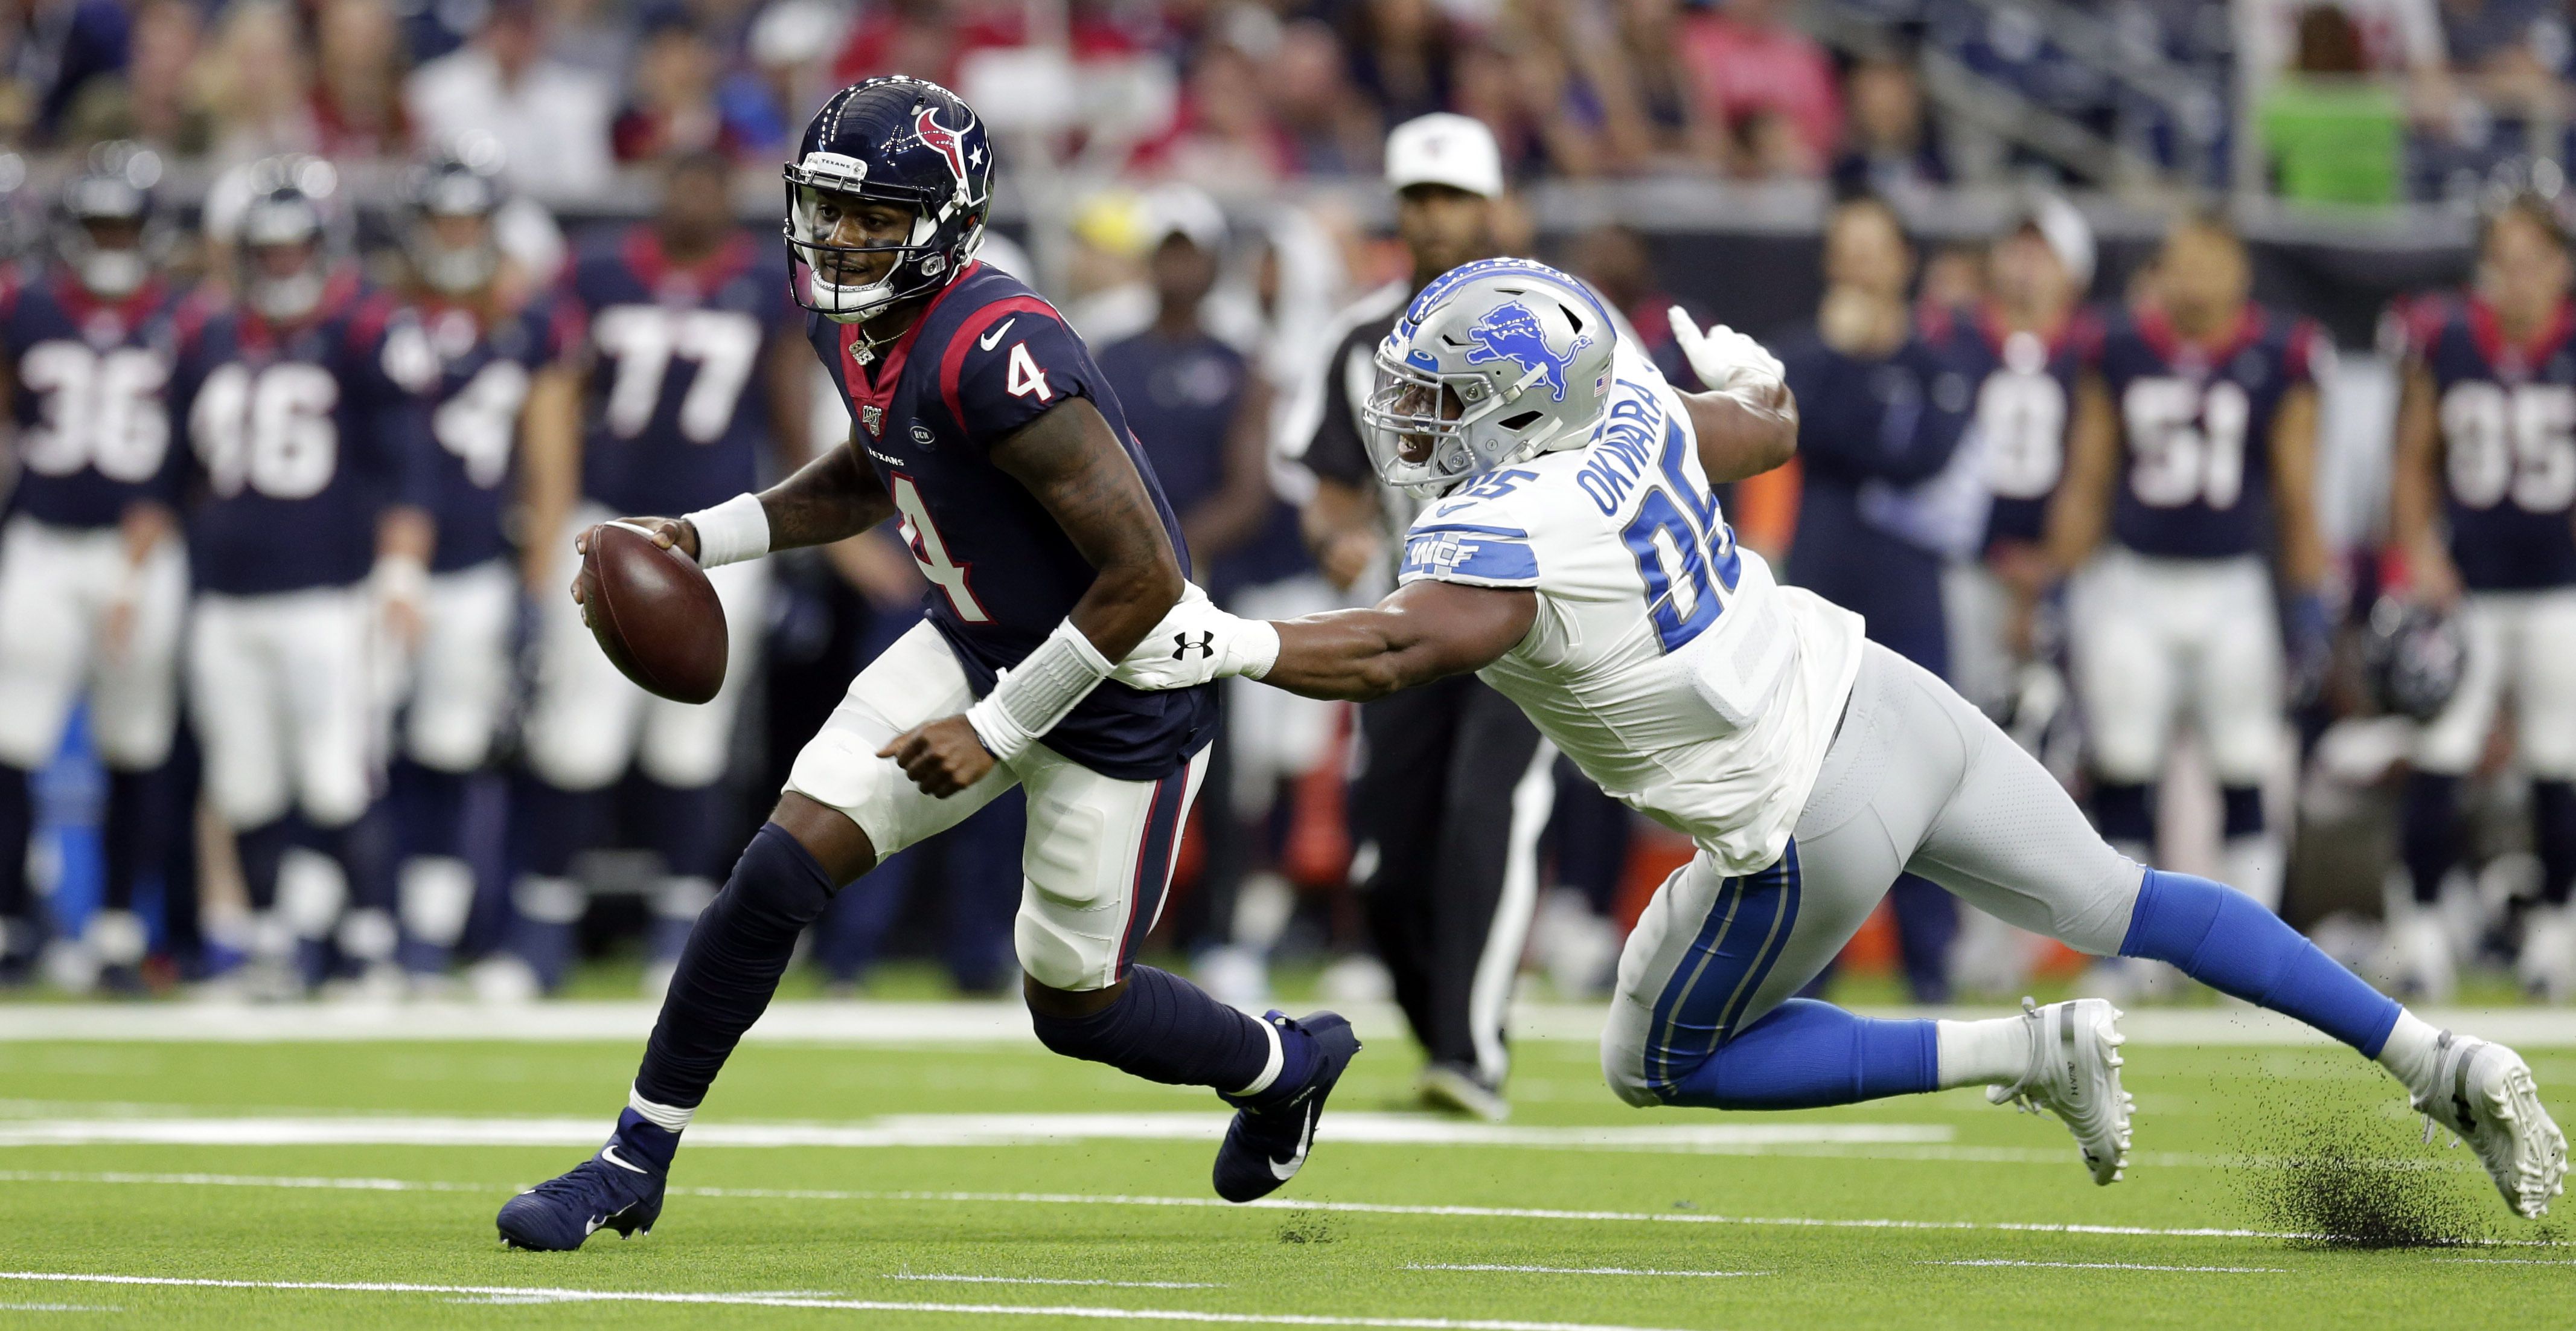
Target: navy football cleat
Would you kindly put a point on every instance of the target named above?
(1267, 1146)
(610, 1190)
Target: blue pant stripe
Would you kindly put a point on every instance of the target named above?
(1747, 926)
(1791, 883)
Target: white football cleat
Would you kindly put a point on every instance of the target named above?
(2484, 1094)
(2075, 1074)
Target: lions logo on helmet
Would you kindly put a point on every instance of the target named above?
(892, 140)
(1511, 332)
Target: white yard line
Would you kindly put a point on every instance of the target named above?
(922, 1130)
(1209, 1203)
(860, 1023)
(1045, 1280)
(2115, 1266)
(560, 1295)
(1571, 1270)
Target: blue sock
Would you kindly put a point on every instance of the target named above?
(2224, 939)
(730, 968)
(1804, 1054)
(645, 1142)
(1166, 1029)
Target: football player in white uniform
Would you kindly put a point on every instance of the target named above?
(1575, 558)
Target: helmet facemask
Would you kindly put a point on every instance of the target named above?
(451, 242)
(270, 228)
(109, 237)
(823, 191)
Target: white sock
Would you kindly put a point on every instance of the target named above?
(660, 1116)
(2408, 1054)
(1981, 1053)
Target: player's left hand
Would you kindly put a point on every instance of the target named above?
(942, 757)
(1723, 358)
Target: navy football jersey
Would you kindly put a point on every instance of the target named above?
(2508, 425)
(985, 358)
(2025, 393)
(485, 369)
(301, 437)
(677, 416)
(2196, 428)
(90, 380)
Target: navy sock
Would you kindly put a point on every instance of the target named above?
(731, 966)
(429, 811)
(364, 849)
(136, 836)
(2553, 816)
(2226, 940)
(2243, 811)
(17, 826)
(2121, 811)
(1166, 1029)
(2430, 835)
(644, 1142)
(1804, 1054)
(261, 849)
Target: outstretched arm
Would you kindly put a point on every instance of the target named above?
(1747, 420)
(1425, 631)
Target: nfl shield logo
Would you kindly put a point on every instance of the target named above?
(873, 417)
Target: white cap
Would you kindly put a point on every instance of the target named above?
(1181, 210)
(2063, 229)
(1445, 149)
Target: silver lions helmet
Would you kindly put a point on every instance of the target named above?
(1494, 363)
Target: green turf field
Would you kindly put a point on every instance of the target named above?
(1935, 1211)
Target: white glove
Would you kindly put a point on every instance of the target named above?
(1195, 643)
(1723, 358)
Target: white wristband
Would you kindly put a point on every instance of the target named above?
(400, 578)
(1031, 697)
(731, 532)
(1255, 650)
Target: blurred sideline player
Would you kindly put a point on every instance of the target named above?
(500, 378)
(980, 421)
(1574, 554)
(2020, 346)
(691, 367)
(2194, 440)
(304, 412)
(2485, 478)
(93, 575)
(1885, 496)
(1448, 878)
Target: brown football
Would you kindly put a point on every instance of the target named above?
(654, 613)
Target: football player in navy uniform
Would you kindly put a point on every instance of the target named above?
(2194, 441)
(304, 414)
(693, 369)
(981, 425)
(502, 378)
(2485, 477)
(93, 577)
(2020, 345)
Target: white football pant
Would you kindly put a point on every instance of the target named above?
(280, 688)
(56, 587)
(2521, 644)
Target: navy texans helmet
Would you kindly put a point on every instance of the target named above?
(893, 139)
(2412, 657)
(460, 185)
(107, 226)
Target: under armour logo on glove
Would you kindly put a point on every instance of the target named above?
(1182, 646)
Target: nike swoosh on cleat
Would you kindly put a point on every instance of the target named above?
(591, 1226)
(609, 1154)
(993, 339)
(1283, 1170)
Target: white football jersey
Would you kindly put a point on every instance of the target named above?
(1665, 661)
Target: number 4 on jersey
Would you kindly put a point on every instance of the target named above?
(930, 551)
(1025, 379)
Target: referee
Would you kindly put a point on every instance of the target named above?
(1456, 784)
